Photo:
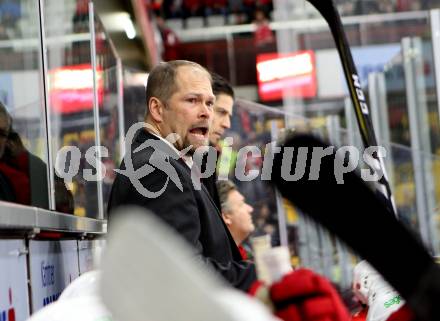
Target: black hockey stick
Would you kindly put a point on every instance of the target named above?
(356, 214)
(331, 15)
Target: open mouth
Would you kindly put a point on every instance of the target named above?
(199, 131)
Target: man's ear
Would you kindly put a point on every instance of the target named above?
(155, 109)
(226, 218)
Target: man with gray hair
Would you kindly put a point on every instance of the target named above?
(236, 213)
(180, 101)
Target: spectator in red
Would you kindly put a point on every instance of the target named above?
(170, 41)
(263, 34)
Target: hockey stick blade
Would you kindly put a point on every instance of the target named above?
(354, 213)
(328, 10)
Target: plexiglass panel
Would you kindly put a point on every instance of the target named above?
(108, 107)
(70, 103)
(23, 151)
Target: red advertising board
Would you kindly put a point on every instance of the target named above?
(71, 88)
(294, 74)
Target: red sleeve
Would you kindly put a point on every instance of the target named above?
(243, 252)
(403, 314)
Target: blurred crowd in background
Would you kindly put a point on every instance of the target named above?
(244, 10)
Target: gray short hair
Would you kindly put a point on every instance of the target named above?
(161, 81)
(224, 188)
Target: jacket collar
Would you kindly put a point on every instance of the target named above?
(143, 135)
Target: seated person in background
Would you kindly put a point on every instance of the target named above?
(263, 35)
(236, 214)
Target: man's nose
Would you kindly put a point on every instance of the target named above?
(206, 111)
(226, 122)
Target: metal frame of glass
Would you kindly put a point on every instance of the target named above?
(42, 44)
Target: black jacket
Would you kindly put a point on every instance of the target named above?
(211, 183)
(192, 213)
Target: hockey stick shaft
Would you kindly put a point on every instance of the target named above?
(331, 15)
(355, 213)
